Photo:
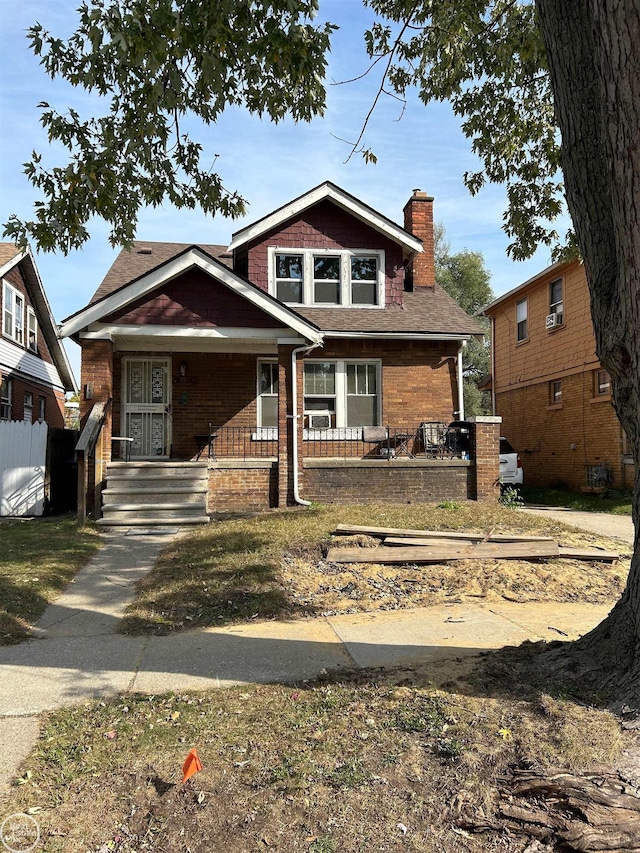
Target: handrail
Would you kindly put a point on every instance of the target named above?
(90, 436)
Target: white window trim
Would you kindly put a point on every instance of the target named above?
(31, 317)
(345, 256)
(263, 433)
(556, 307)
(15, 294)
(341, 396)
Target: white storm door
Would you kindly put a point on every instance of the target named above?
(147, 407)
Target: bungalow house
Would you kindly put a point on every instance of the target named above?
(549, 388)
(299, 363)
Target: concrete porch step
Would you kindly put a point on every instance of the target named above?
(155, 494)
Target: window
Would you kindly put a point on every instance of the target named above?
(341, 394)
(555, 302)
(32, 330)
(555, 392)
(12, 313)
(327, 277)
(268, 393)
(28, 407)
(5, 400)
(289, 277)
(602, 383)
(42, 409)
(521, 320)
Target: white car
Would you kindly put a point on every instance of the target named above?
(510, 465)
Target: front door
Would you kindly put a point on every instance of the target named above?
(147, 406)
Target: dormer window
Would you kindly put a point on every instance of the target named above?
(12, 313)
(323, 277)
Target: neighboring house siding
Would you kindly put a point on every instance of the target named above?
(556, 440)
(15, 279)
(325, 226)
(194, 300)
(54, 402)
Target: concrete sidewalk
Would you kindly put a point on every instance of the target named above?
(78, 656)
(602, 523)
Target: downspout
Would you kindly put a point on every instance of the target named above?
(460, 383)
(294, 418)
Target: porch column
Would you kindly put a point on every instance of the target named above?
(96, 387)
(286, 425)
(486, 455)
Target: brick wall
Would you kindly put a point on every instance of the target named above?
(54, 401)
(242, 486)
(326, 226)
(556, 441)
(397, 481)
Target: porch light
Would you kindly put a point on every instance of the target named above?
(183, 368)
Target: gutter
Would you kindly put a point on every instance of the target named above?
(294, 418)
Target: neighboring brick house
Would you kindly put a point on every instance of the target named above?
(325, 289)
(549, 388)
(34, 369)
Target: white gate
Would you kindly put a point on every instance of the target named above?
(23, 455)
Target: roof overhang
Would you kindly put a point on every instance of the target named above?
(44, 314)
(402, 336)
(84, 320)
(329, 192)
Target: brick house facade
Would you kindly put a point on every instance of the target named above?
(280, 354)
(549, 388)
(34, 369)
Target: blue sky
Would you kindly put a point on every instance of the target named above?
(268, 164)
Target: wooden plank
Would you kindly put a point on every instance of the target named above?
(440, 554)
(352, 529)
(588, 554)
(444, 541)
(401, 533)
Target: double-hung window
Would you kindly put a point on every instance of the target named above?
(324, 277)
(556, 306)
(32, 330)
(602, 383)
(5, 400)
(341, 394)
(28, 407)
(12, 313)
(268, 394)
(522, 332)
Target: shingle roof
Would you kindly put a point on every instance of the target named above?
(146, 256)
(425, 310)
(8, 251)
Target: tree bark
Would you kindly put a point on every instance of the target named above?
(593, 52)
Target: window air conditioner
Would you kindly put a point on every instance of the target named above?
(320, 421)
(553, 320)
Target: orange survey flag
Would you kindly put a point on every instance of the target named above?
(191, 765)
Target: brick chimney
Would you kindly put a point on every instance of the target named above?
(418, 220)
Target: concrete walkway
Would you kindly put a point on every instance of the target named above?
(601, 523)
(77, 655)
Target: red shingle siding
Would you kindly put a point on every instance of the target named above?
(195, 300)
(15, 279)
(326, 226)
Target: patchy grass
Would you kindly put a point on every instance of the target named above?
(272, 566)
(615, 501)
(385, 761)
(38, 558)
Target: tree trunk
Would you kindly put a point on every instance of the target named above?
(593, 50)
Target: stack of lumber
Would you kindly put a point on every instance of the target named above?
(440, 546)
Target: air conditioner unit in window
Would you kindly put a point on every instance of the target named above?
(554, 320)
(320, 421)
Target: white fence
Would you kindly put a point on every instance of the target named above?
(23, 454)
